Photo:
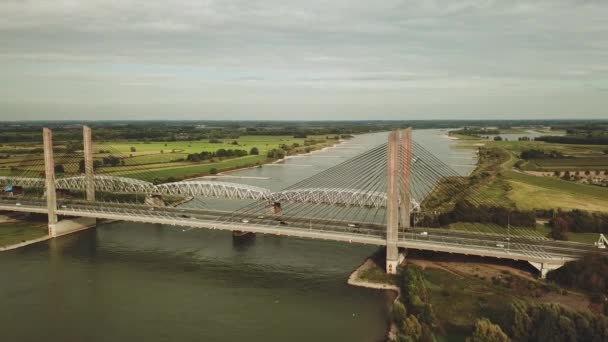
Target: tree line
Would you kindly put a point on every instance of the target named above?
(220, 153)
(579, 221)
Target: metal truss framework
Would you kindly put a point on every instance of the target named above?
(339, 196)
(215, 189)
(106, 184)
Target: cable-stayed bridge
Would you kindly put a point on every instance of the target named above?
(375, 198)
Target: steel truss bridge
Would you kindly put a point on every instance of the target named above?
(212, 189)
(368, 199)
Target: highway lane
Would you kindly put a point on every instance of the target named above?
(528, 246)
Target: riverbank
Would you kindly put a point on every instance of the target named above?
(16, 232)
(227, 173)
(358, 278)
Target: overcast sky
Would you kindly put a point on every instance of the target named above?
(313, 59)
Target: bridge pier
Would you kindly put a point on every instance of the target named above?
(49, 176)
(544, 267)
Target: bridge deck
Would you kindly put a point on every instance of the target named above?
(436, 239)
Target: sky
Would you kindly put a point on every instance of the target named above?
(313, 59)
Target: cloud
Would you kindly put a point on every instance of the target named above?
(133, 50)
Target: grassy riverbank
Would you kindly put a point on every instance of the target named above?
(20, 231)
(446, 296)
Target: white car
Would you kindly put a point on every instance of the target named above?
(500, 245)
(261, 216)
(424, 233)
(245, 220)
(352, 225)
(18, 204)
(63, 206)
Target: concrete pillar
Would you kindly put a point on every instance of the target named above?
(155, 201)
(392, 203)
(405, 197)
(89, 176)
(49, 173)
(545, 267)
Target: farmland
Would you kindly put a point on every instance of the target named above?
(528, 190)
(160, 161)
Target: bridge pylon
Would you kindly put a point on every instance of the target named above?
(88, 164)
(397, 193)
(49, 175)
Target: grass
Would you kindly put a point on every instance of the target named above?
(161, 160)
(569, 164)
(538, 231)
(588, 238)
(508, 187)
(197, 169)
(543, 192)
(459, 300)
(376, 274)
(263, 143)
(15, 232)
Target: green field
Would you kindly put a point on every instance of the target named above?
(534, 192)
(460, 300)
(568, 164)
(539, 231)
(263, 143)
(194, 170)
(512, 187)
(160, 160)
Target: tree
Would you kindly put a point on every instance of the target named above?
(486, 331)
(498, 138)
(520, 321)
(559, 228)
(133, 149)
(213, 171)
(254, 151)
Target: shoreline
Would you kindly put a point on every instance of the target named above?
(227, 173)
(24, 243)
(354, 280)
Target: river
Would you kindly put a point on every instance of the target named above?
(142, 282)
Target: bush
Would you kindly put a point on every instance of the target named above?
(540, 154)
(486, 331)
(398, 312)
(213, 171)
